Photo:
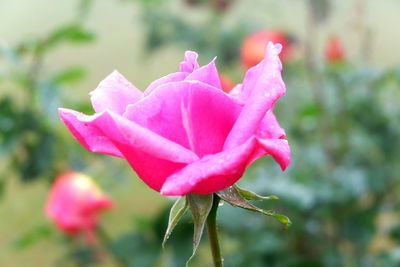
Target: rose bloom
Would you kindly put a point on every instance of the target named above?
(252, 49)
(75, 202)
(184, 134)
(334, 51)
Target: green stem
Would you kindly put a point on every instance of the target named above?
(213, 233)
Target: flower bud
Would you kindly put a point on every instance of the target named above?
(74, 203)
(334, 51)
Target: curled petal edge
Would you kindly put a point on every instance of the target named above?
(115, 92)
(114, 130)
(213, 173)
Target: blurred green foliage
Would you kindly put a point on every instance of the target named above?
(30, 142)
(344, 175)
(342, 121)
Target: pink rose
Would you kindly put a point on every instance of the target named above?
(184, 134)
(74, 204)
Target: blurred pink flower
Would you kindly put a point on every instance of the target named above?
(184, 134)
(74, 204)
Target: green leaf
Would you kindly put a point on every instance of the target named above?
(34, 235)
(70, 75)
(177, 211)
(249, 195)
(73, 33)
(311, 110)
(233, 197)
(200, 206)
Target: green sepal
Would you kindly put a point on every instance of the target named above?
(175, 214)
(249, 195)
(232, 196)
(200, 206)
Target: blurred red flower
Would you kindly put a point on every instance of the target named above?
(226, 83)
(74, 204)
(334, 51)
(252, 50)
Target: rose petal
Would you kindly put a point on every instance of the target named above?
(237, 90)
(115, 129)
(173, 77)
(258, 79)
(151, 170)
(88, 135)
(189, 64)
(152, 156)
(124, 132)
(212, 172)
(278, 148)
(142, 148)
(114, 93)
(192, 114)
(270, 128)
(262, 87)
(207, 74)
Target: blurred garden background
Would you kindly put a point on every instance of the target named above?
(341, 115)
